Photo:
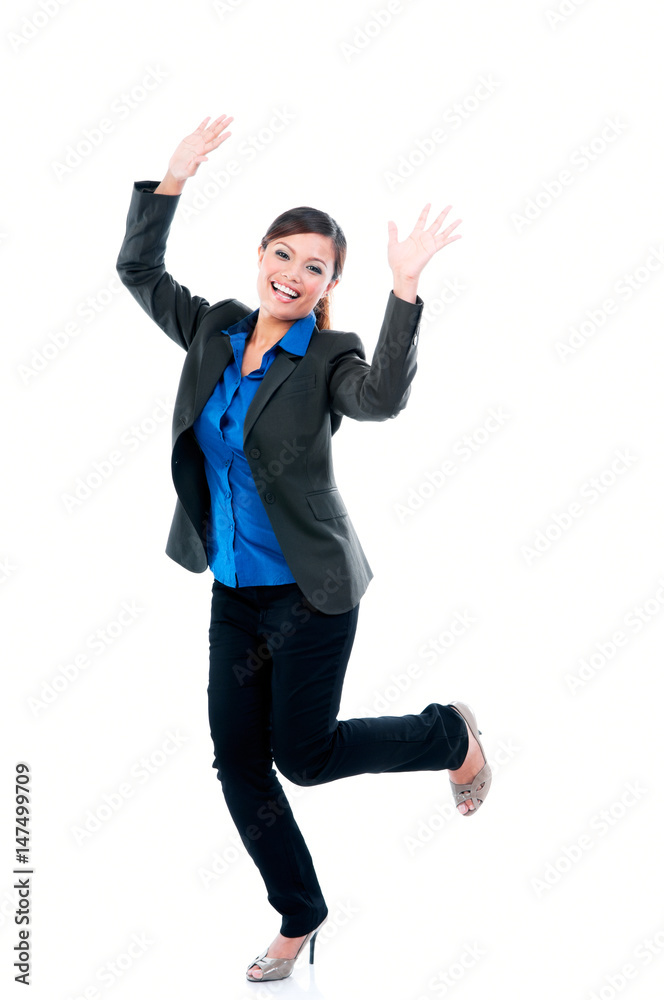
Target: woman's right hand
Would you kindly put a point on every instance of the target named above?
(193, 151)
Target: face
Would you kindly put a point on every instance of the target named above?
(304, 262)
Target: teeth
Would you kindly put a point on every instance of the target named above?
(285, 290)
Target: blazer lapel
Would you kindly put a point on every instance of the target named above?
(280, 369)
(216, 356)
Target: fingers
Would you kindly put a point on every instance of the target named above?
(442, 215)
(220, 123)
(216, 123)
(435, 224)
(446, 240)
(445, 233)
(423, 216)
(450, 228)
(219, 132)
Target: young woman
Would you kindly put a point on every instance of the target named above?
(260, 395)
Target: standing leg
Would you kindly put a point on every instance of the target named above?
(239, 705)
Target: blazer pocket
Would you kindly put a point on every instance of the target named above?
(298, 383)
(327, 503)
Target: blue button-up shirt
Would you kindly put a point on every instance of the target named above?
(243, 550)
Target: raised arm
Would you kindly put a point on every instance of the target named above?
(381, 389)
(140, 263)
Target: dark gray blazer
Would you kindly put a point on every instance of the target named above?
(289, 424)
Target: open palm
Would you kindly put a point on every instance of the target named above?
(409, 257)
(193, 150)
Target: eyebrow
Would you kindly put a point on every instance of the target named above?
(324, 263)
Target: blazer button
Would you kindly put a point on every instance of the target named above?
(255, 453)
(270, 497)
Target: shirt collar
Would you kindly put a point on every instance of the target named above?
(295, 340)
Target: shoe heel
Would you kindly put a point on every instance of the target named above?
(312, 945)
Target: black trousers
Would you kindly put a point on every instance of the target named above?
(277, 667)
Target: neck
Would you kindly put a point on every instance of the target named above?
(269, 330)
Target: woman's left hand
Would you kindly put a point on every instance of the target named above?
(408, 258)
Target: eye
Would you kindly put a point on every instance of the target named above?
(315, 266)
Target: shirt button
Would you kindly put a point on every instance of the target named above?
(228, 495)
(255, 453)
(269, 497)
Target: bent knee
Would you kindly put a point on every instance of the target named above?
(298, 766)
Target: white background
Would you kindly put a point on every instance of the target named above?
(505, 905)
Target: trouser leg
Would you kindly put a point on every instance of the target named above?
(239, 706)
(310, 745)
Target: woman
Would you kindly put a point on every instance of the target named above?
(260, 395)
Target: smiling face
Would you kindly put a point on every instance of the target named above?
(303, 263)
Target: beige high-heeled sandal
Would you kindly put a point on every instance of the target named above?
(281, 968)
(482, 780)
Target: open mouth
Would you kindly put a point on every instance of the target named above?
(282, 292)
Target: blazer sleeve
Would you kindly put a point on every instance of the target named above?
(381, 389)
(140, 265)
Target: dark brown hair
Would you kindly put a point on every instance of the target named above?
(311, 220)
